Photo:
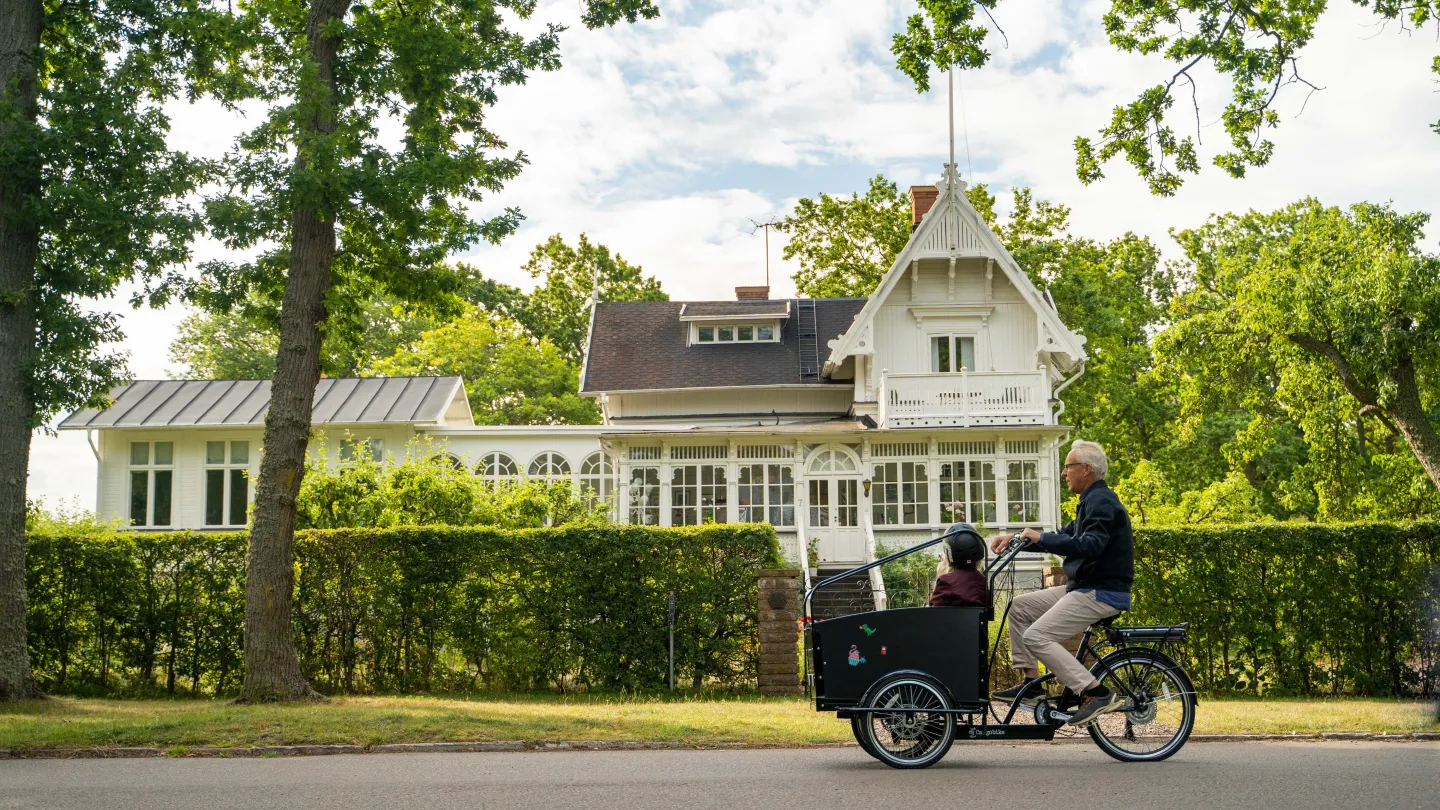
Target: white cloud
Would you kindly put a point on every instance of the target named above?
(663, 139)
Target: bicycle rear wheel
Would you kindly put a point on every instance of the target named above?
(1157, 724)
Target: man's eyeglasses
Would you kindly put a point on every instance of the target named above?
(1075, 464)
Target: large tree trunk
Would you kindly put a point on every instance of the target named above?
(20, 23)
(1409, 416)
(272, 666)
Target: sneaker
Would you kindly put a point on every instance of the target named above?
(1027, 697)
(1096, 705)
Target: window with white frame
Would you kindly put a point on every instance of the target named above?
(548, 465)
(597, 478)
(698, 494)
(967, 492)
(765, 493)
(952, 353)
(152, 483)
(901, 492)
(227, 482)
(496, 466)
(768, 332)
(644, 496)
(1022, 490)
(373, 449)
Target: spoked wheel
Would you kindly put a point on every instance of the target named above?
(1160, 722)
(913, 729)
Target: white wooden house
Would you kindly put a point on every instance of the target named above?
(845, 422)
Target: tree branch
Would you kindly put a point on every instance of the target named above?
(1327, 350)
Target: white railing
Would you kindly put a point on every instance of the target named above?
(877, 582)
(964, 399)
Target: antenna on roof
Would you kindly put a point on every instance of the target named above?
(767, 226)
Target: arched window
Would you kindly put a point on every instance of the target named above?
(448, 460)
(832, 461)
(597, 476)
(496, 466)
(549, 465)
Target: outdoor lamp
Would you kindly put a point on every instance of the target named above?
(866, 484)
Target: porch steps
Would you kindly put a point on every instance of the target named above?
(850, 595)
(809, 339)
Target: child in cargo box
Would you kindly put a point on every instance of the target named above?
(959, 583)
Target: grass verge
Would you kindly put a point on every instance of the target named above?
(84, 723)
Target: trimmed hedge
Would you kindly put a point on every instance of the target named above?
(1297, 609)
(404, 609)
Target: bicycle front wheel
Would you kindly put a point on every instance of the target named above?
(1157, 720)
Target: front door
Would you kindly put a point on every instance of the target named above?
(833, 518)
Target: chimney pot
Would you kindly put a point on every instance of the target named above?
(921, 199)
(752, 293)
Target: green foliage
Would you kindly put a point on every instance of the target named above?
(428, 487)
(846, 245)
(908, 580)
(511, 378)
(1255, 47)
(405, 609)
(1296, 609)
(558, 309)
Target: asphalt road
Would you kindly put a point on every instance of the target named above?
(1207, 775)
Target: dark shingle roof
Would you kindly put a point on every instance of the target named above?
(640, 345)
(175, 403)
(733, 309)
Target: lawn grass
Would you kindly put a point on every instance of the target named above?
(82, 723)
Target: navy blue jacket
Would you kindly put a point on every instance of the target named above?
(1098, 545)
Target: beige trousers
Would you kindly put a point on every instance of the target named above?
(1043, 623)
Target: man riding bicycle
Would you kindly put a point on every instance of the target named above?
(1099, 552)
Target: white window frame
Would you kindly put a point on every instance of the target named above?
(975, 494)
(953, 340)
(227, 466)
(769, 497)
(700, 329)
(911, 489)
(699, 494)
(643, 497)
(497, 465)
(597, 478)
(149, 468)
(549, 466)
(349, 443)
(1017, 508)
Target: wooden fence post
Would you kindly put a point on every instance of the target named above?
(780, 632)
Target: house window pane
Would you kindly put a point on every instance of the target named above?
(684, 496)
(764, 333)
(164, 453)
(727, 334)
(714, 494)
(707, 334)
(214, 497)
(645, 496)
(1023, 491)
(239, 496)
(214, 452)
(940, 353)
(967, 492)
(239, 452)
(982, 491)
(747, 333)
(965, 348)
(901, 492)
(139, 453)
(139, 492)
(163, 485)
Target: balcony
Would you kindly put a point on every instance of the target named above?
(965, 399)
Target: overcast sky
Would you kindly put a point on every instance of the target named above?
(665, 139)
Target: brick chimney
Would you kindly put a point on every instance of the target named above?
(752, 293)
(921, 198)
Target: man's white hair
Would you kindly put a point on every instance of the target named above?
(1091, 454)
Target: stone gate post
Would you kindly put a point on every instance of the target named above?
(780, 632)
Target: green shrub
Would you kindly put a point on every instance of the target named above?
(404, 609)
(908, 580)
(1294, 608)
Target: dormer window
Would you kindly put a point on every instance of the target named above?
(736, 333)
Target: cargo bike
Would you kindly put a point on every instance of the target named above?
(914, 680)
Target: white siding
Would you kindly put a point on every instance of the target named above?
(811, 400)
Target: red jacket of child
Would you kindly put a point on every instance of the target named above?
(962, 587)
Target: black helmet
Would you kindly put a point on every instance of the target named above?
(963, 544)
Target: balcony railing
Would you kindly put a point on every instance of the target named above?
(965, 399)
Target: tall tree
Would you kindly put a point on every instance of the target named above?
(89, 198)
(356, 213)
(511, 378)
(559, 307)
(1255, 46)
(1329, 295)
